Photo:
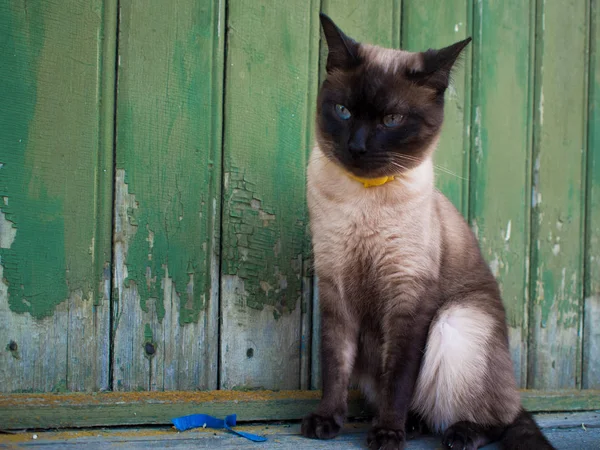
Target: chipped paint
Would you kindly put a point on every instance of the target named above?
(499, 165)
(167, 205)
(477, 126)
(7, 232)
(559, 208)
(495, 266)
(51, 206)
(541, 108)
(475, 228)
(252, 249)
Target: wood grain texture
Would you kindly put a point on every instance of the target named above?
(558, 190)
(432, 24)
(55, 186)
(376, 23)
(591, 330)
(371, 22)
(20, 411)
(565, 431)
(500, 160)
(167, 195)
(271, 65)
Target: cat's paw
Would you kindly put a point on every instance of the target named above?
(461, 437)
(380, 438)
(315, 426)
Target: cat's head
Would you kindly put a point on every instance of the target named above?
(379, 110)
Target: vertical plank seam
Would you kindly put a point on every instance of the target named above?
(222, 196)
(525, 328)
(402, 19)
(305, 347)
(586, 173)
(106, 154)
(474, 27)
(216, 145)
(396, 23)
(315, 339)
(115, 19)
(467, 132)
(534, 139)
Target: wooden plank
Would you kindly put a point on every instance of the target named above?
(591, 331)
(315, 375)
(558, 191)
(377, 23)
(370, 23)
(167, 206)
(500, 159)
(565, 432)
(271, 71)
(433, 24)
(18, 411)
(55, 184)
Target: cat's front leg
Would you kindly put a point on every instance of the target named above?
(405, 334)
(339, 335)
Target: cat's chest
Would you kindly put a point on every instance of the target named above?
(366, 243)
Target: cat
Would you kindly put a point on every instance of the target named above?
(409, 308)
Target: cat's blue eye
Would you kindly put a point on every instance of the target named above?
(393, 120)
(342, 112)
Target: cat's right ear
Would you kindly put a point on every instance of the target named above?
(343, 51)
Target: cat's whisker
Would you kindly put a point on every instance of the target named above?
(435, 166)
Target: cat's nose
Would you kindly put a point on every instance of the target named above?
(358, 142)
(357, 148)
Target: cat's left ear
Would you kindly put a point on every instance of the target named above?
(436, 66)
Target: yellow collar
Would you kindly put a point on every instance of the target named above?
(370, 182)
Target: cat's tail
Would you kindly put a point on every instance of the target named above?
(524, 434)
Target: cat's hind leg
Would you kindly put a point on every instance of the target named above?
(466, 386)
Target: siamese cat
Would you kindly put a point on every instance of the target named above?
(409, 308)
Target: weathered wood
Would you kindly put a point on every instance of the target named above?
(591, 330)
(167, 207)
(315, 373)
(269, 86)
(500, 158)
(18, 411)
(557, 195)
(56, 141)
(433, 24)
(569, 431)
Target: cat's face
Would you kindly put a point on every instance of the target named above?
(380, 110)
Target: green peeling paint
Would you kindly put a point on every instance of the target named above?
(558, 183)
(165, 118)
(500, 156)
(257, 248)
(148, 336)
(49, 153)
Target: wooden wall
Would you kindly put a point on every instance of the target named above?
(153, 226)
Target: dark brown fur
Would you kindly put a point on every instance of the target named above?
(398, 265)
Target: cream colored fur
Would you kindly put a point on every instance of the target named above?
(382, 222)
(454, 366)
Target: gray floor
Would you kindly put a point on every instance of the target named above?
(566, 431)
